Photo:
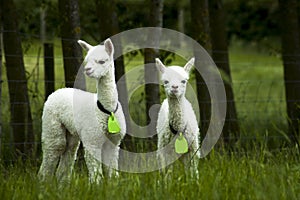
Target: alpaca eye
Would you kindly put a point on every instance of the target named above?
(101, 62)
(166, 82)
(183, 81)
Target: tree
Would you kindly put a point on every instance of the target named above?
(252, 20)
(70, 33)
(21, 120)
(1, 31)
(155, 19)
(291, 63)
(109, 26)
(220, 56)
(201, 33)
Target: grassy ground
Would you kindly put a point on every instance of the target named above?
(258, 85)
(255, 175)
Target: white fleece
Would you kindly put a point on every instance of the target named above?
(177, 111)
(71, 115)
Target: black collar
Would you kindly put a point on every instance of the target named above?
(100, 106)
(174, 131)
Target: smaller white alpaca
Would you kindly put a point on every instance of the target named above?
(176, 115)
(71, 115)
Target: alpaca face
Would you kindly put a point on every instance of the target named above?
(174, 78)
(99, 59)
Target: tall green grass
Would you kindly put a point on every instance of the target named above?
(251, 175)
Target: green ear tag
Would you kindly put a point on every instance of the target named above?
(181, 145)
(113, 124)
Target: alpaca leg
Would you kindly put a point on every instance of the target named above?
(53, 145)
(94, 167)
(195, 167)
(161, 156)
(196, 163)
(110, 154)
(191, 161)
(196, 157)
(165, 170)
(67, 159)
(162, 163)
(192, 166)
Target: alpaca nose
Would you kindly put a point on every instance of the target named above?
(87, 68)
(174, 86)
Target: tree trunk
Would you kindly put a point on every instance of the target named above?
(291, 63)
(21, 120)
(201, 33)
(43, 24)
(1, 31)
(181, 22)
(49, 69)
(155, 19)
(109, 26)
(220, 56)
(70, 33)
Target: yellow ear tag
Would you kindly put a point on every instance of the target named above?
(113, 124)
(181, 145)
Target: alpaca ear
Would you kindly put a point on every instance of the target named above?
(84, 45)
(109, 47)
(160, 66)
(188, 66)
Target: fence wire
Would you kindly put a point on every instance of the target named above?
(258, 89)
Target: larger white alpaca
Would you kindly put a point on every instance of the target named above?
(177, 116)
(71, 115)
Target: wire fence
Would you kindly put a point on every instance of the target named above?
(257, 81)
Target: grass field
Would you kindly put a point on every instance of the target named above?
(254, 175)
(258, 85)
(259, 171)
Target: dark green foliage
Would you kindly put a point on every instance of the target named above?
(29, 18)
(248, 20)
(252, 20)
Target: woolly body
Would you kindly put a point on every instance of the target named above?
(71, 115)
(176, 111)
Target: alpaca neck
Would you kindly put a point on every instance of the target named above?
(106, 90)
(176, 107)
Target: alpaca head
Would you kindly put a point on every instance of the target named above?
(99, 59)
(174, 78)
